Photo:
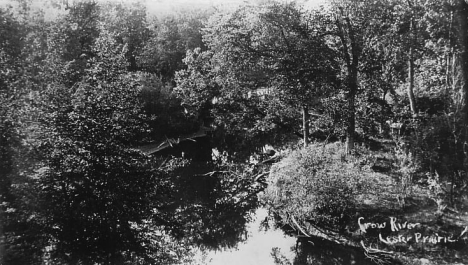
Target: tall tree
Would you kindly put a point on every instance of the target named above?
(353, 26)
(462, 15)
(10, 49)
(70, 40)
(130, 26)
(304, 66)
(94, 187)
(171, 37)
(348, 24)
(262, 59)
(411, 57)
(463, 22)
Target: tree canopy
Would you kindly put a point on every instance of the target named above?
(82, 93)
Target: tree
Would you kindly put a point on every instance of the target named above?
(463, 37)
(355, 27)
(351, 47)
(412, 38)
(69, 41)
(265, 62)
(94, 187)
(130, 27)
(6, 167)
(304, 66)
(15, 241)
(160, 102)
(170, 38)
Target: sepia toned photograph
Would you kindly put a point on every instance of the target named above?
(236, 132)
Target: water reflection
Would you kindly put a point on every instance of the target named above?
(257, 249)
(319, 251)
(213, 205)
(219, 212)
(276, 246)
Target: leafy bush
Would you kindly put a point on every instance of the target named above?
(438, 146)
(407, 164)
(315, 184)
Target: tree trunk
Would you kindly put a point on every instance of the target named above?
(463, 21)
(352, 115)
(5, 170)
(305, 124)
(2, 234)
(450, 58)
(351, 49)
(353, 66)
(410, 91)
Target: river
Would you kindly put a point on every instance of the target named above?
(257, 249)
(260, 245)
(228, 223)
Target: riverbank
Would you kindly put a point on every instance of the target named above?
(367, 201)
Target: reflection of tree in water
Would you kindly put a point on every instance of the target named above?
(212, 209)
(326, 252)
(319, 251)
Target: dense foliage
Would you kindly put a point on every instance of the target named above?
(83, 90)
(315, 184)
(74, 188)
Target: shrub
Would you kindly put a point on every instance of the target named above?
(315, 184)
(438, 148)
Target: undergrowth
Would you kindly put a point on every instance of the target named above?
(316, 184)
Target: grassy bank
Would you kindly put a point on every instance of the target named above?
(380, 201)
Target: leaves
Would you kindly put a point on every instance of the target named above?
(79, 92)
(263, 65)
(94, 185)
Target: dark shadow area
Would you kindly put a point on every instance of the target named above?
(212, 205)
